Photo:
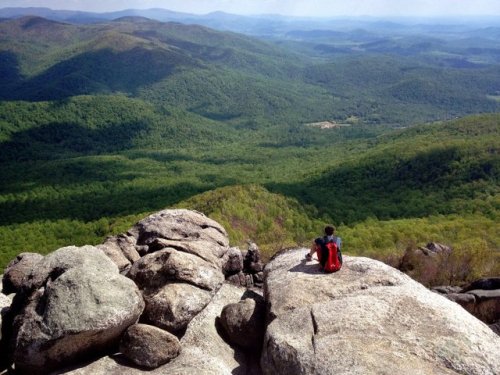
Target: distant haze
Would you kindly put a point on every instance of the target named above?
(301, 8)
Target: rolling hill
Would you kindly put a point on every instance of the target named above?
(436, 169)
(101, 123)
(230, 77)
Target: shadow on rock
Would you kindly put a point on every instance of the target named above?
(304, 267)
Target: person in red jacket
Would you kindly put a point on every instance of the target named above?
(328, 250)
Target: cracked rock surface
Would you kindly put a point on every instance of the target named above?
(367, 318)
(181, 269)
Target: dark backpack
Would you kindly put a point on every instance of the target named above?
(329, 255)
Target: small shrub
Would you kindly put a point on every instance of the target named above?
(468, 261)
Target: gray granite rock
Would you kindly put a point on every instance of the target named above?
(149, 346)
(16, 271)
(74, 304)
(244, 322)
(155, 270)
(205, 250)
(204, 351)
(174, 305)
(181, 225)
(232, 261)
(368, 318)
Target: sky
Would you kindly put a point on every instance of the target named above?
(302, 8)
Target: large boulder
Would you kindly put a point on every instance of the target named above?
(181, 225)
(182, 230)
(149, 346)
(203, 249)
(155, 270)
(180, 269)
(114, 253)
(60, 261)
(174, 305)
(121, 249)
(74, 304)
(481, 298)
(176, 286)
(204, 351)
(244, 322)
(16, 271)
(232, 261)
(426, 263)
(367, 318)
(252, 262)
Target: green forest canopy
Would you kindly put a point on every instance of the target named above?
(91, 141)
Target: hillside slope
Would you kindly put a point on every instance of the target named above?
(100, 123)
(231, 77)
(443, 168)
(402, 181)
(250, 212)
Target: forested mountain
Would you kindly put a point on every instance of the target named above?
(231, 77)
(103, 122)
(272, 25)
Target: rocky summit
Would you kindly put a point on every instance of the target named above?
(481, 298)
(368, 318)
(161, 299)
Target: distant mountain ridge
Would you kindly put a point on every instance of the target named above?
(260, 24)
(75, 16)
(109, 57)
(229, 76)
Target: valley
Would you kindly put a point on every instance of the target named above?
(102, 123)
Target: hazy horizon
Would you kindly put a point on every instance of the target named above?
(297, 8)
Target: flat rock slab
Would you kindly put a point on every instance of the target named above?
(482, 294)
(368, 318)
